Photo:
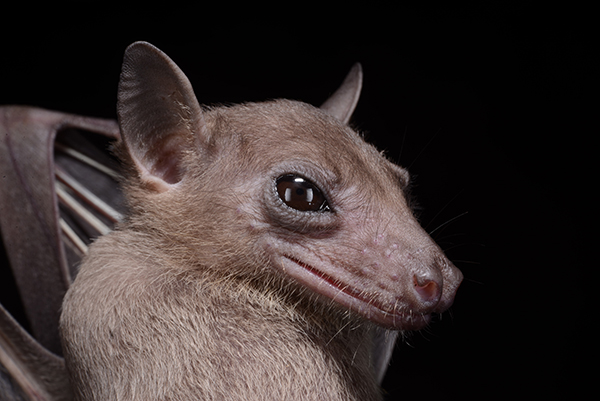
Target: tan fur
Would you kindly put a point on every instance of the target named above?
(187, 306)
(190, 297)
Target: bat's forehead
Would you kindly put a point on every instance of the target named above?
(283, 130)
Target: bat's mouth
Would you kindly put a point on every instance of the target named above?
(370, 306)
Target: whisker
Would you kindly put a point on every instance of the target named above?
(470, 280)
(399, 157)
(338, 332)
(464, 261)
(378, 233)
(447, 222)
(445, 206)
(351, 247)
(425, 147)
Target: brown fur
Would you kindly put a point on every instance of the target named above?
(190, 298)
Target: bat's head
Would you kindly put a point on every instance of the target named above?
(278, 188)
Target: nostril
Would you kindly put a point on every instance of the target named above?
(430, 291)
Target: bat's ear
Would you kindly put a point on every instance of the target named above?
(159, 115)
(343, 101)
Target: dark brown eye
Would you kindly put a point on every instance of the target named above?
(301, 194)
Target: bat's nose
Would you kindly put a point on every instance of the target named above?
(427, 290)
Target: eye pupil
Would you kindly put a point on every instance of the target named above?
(300, 194)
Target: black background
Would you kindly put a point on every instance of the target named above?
(487, 105)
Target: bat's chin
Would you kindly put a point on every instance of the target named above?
(395, 316)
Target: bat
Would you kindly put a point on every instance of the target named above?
(266, 251)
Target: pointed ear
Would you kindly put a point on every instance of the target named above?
(343, 102)
(159, 115)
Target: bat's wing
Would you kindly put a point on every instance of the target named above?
(385, 341)
(44, 158)
(28, 371)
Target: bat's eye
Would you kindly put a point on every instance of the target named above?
(301, 194)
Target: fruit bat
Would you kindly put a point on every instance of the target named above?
(254, 251)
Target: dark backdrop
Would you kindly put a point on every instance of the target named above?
(488, 108)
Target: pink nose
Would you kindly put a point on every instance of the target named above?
(429, 291)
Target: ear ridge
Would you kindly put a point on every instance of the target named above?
(159, 114)
(343, 101)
